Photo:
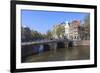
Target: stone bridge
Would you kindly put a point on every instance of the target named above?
(29, 48)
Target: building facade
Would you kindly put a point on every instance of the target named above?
(67, 30)
(75, 30)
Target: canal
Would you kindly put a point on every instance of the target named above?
(61, 54)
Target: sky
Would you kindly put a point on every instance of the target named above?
(42, 21)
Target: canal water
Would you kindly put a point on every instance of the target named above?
(61, 54)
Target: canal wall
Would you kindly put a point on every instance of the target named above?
(81, 43)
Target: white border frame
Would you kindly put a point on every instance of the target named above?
(20, 65)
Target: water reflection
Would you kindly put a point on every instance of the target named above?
(61, 54)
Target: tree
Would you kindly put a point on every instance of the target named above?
(87, 26)
(36, 35)
(87, 21)
(49, 34)
(60, 31)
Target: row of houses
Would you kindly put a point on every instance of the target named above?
(73, 30)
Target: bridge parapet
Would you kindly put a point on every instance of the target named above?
(44, 42)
